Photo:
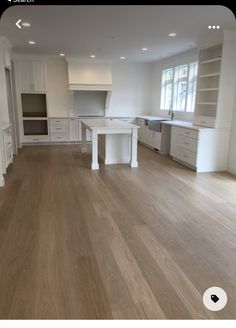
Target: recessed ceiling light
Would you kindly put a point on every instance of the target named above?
(172, 34)
(209, 26)
(26, 24)
(92, 56)
(62, 55)
(144, 49)
(122, 57)
(218, 27)
(31, 42)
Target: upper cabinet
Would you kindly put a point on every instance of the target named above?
(31, 75)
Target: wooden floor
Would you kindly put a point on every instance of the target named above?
(116, 243)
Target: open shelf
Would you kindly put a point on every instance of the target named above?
(34, 105)
(207, 103)
(35, 127)
(209, 75)
(35, 118)
(212, 60)
(208, 85)
(208, 89)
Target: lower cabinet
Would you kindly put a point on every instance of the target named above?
(147, 136)
(204, 150)
(7, 146)
(58, 129)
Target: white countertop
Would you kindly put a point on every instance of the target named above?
(185, 124)
(106, 123)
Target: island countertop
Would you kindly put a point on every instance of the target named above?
(94, 124)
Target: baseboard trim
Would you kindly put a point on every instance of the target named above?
(231, 169)
(117, 161)
(51, 143)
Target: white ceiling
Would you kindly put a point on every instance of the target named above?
(113, 31)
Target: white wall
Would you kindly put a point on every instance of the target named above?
(131, 85)
(131, 88)
(157, 67)
(58, 90)
(232, 143)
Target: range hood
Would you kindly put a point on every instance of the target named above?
(90, 86)
(89, 76)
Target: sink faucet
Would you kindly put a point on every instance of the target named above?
(171, 113)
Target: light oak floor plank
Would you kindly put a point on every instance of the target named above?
(116, 243)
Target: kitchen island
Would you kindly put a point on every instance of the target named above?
(117, 141)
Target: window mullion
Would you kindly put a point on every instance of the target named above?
(186, 95)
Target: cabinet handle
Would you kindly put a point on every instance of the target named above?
(187, 132)
(35, 139)
(185, 156)
(186, 143)
(58, 128)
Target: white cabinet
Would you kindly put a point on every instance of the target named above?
(7, 146)
(204, 150)
(73, 129)
(58, 129)
(184, 143)
(148, 136)
(31, 75)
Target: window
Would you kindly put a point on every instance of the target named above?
(178, 87)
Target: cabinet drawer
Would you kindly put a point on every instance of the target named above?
(59, 128)
(7, 139)
(58, 121)
(9, 154)
(35, 139)
(187, 133)
(186, 156)
(59, 137)
(188, 143)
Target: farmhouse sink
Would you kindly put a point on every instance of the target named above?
(155, 125)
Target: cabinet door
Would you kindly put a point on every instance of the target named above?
(38, 73)
(24, 75)
(73, 129)
(174, 142)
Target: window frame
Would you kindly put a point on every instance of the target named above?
(173, 68)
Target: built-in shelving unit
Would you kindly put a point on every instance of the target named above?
(208, 85)
(34, 114)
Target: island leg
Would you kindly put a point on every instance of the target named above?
(95, 165)
(84, 146)
(134, 145)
